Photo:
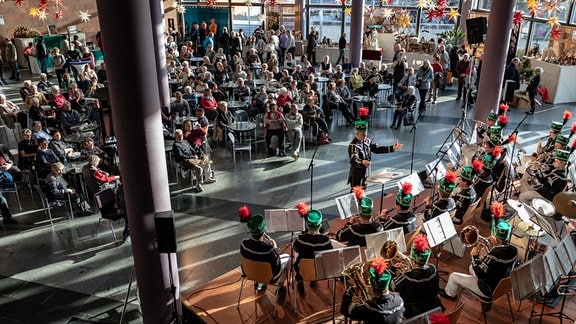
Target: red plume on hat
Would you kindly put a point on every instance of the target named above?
(359, 192)
(497, 209)
(572, 130)
(503, 109)
(379, 265)
(303, 208)
(573, 147)
(244, 212)
(510, 139)
(503, 120)
(420, 243)
(363, 112)
(497, 151)
(406, 188)
(439, 318)
(477, 165)
(566, 116)
(450, 176)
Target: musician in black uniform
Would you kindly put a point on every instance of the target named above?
(260, 247)
(355, 231)
(551, 182)
(555, 129)
(486, 271)
(404, 216)
(360, 152)
(482, 129)
(308, 243)
(445, 203)
(467, 195)
(419, 287)
(485, 179)
(384, 307)
(560, 143)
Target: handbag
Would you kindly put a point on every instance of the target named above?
(418, 84)
(409, 119)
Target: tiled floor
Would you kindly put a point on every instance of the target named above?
(68, 274)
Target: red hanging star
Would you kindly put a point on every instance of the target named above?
(43, 7)
(43, 2)
(441, 4)
(518, 17)
(210, 2)
(19, 2)
(556, 33)
(58, 14)
(430, 14)
(439, 12)
(271, 3)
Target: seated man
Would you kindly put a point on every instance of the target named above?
(44, 85)
(6, 214)
(404, 217)
(190, 158)
(294, 122)
(61, 148)
(260, 247)
(179, 107)
(27, 149)
(355, 231)
(274, 125)
(384, 307)
(37, 113)
(550, 182)
(59, 189)
(7, 166)
(419, 286)
(44, 159)
(90, 149)
(95, 178)
(69, 117)
(467, 195)
(38, 132)
(308, 243)
(444, 203)
(486, 271)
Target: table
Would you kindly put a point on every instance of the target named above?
(258, 82)
(235, 104)
(362, 100)
(384, 91)
(196, 60)
(243, 128)
(168, 151)
(229, 86)
(173, 84)
(74, 173)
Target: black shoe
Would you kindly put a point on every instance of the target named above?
(10, 221)
(126, 239)
(259, 286)
(281, 293)
(442, 293)
(300, 288)
(457, 98)
(486, 307)
(392, 126)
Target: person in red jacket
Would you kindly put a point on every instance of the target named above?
(208, 102)
(94, 177)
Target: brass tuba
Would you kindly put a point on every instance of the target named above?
(401, 262)
(470, 237)
(356, 273)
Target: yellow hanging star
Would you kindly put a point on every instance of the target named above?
(532, 4)
(404, 19)
(180, 9)
(84, 16)
(42, 15)
(348, 11)
(453, 14)
(248, 3)
(553, 21)
(33, 12)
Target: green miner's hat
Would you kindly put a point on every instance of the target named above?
(562, 155)
(361, 125)
(495, 139)
(366, 207)
(468, 173)
(501, 229)
(496, 129)
(314, 219)
(448, 183)
(492, 116)
(489, 161)
(404, 196)
(379, 276)
(256, 224)
(561, 139)
(420, 251)
(556, 126)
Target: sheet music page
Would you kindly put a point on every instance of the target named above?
(439, 229)
(553, 269)
(570, 249)
(275, 220)
(439, 172)
(563, 259)
(414, 179)
(538, 269)
(374, 243)
(350, 255)
(523, 283)
(331, 264)
(336, 244)
(383, 176)
(295, 222)
(453, 159)
(347, 206)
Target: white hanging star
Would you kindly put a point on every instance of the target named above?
(248, 3)
(180, 9)
(262, 17)
(387, 13)
(84, 16)
(42, 15)
(175, 3)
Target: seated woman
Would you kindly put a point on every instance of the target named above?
(274, 125)
(34, 93)
(208, 102)
(284, 100)
(88, 72)
(356, 81)
(87, 55)
(259, 102)
(105, 159)
(289, 62)
(326, 67)
(343, 90)
(314, 116)
(59, 190)
(95, 178)
(67, 82)
(62, 149)
(223, 121)
(402, 109)
(285, 78)
(271, 84)
(219, 56)
(57, 99)
(37, 113)
(27, 149)
(306, 65)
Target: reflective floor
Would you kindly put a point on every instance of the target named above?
(75, 273)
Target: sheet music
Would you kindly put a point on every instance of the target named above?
(528, 278)
(383, 177)
(553, 269)
(283, 220)
(331, 263)
(414, 179)
(347, 206)
(375, 241)
(570, 249)
(336, 244)
(437, 173)
(563, 258)
(350, 255)
(453, 159)
(439, 229)
(295, 222)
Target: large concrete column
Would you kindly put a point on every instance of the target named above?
(356, 32)
(134, 93)
(465, 7)
(158, 34)
(494, 58)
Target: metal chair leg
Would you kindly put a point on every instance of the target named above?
(240, 294)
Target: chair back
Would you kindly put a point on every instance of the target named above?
(308, 269)
(410, 236)
(484, 197)
(105, 201)
(241, 115)
(454, 314)
(211, 114)
(502, 289)
(232, 139)
(469, 212)
(257, 270)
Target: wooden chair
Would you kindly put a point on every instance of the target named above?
(503, 288)
(454, 314)
(105, 202)
(469, 214)
(410, 236)
(308, 270)
(484, 197)
(256, 271)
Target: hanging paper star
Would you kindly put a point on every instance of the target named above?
(430, 14)
(551, 6)
(58, 14)
(43, 2)
(404, 19)
(19, 2)
(57, 2)
(248, 3)
(387, 13)
(441, 4)
(439, 13)
(42, 15)
(518, 17)
(556, 33)
(421, 4)
(43, 7)
(175, 3)
(348, 11)
(180, 9)
(271, 3)
(33, 12)
(533, 6)
(262, 17)
(84, 16)
(453, 14)
(210, 2)
(370, 12)
(553, 21)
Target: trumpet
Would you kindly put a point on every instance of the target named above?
(356, 273)
(471, 238)
(401, 262)
(270, 240)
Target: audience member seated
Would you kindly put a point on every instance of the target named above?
(218, 94)
(259, 103)
(179, 107)
(38, 132)
(337, 102)
(67, 82)
(356, 81)
(274, 125)
(69, 117)
(102, 74)
(27, 149)
(62, 149)
(271, 84)
(44, 159)
(7, 163)
(37, 113)
(338, 73)
(314, 116)
(239, 73)
(95, 178)
(284, 100)
(26, 89)
(223, 121)
(83, 83)
(57, 100)
(355, 231)
(34, 93)
(326, 67)
(44, 85)
(208, 102)
(220, 75)
(285, 78)
(408, 103)
(10, 112)
(299, 75)
(59, 189)
(294, 123)
(92, 91)
(289, 62)
(190, 158)
(242, 92)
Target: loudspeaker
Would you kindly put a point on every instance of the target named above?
(165, 232)
(476, 28)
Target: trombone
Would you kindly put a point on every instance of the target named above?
(471, 238)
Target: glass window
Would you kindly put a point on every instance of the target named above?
(562, 15)
(484, 4)
(540, 35)
(573, 20)
(433, 29)
(328, 22)
(522, 40)
(246, 18)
